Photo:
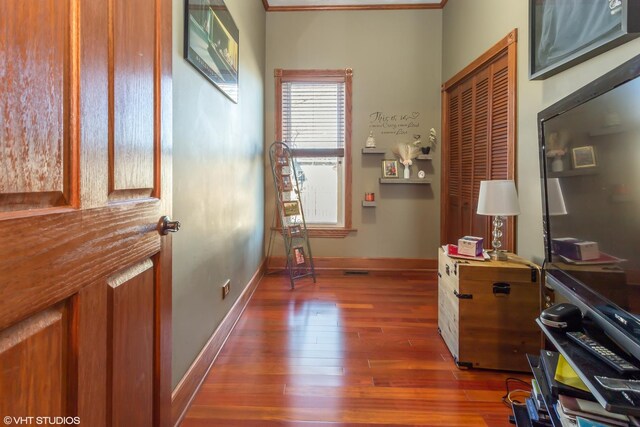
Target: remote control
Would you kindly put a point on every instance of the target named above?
(618, 384)
(603, 353)
(632, 398)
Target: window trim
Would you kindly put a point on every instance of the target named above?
(340, 75)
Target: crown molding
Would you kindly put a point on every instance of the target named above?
(404, 6)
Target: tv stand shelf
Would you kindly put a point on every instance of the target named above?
(549, 401)
(521, 416)
(587, 367)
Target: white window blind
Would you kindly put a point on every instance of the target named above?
(313, 118)
(313, 125)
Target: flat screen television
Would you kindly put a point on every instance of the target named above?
(590, 169)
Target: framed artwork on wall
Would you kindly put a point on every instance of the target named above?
(211, 44)
(564, 33)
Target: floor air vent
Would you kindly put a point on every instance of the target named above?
(356, 273)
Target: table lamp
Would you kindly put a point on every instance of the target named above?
(498, 198)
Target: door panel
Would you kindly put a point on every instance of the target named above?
(480, 151)
(85, 283)
(51, 257)
(34, 358)
(500, 120)
(501, 148)
(466, 145)
(91, 381)
(455, 215)
(131, 345)
(481, 133)
(132, 146)
(34, 131)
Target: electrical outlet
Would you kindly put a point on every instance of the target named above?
(226, 288)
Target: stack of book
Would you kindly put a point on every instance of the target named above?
(538, 414)
(561, 378)
(584, 413)
(575, 405)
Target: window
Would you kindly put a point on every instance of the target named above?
(313, 117)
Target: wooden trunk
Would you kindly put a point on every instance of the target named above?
(487, 311)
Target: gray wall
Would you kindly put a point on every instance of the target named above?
(396, 61)
(470, 28)
(218, 181)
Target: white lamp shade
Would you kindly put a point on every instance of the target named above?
(498, 198)
(555, 200)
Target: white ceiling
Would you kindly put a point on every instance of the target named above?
(329, 3)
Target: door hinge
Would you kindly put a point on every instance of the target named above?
(534, 274)
(462, 296)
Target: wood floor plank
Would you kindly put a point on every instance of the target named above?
(378, 392)
(348, 351)
(338, 414)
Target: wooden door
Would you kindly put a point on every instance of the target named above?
(479, 140)
(85, 175)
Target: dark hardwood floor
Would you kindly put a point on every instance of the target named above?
(347, 351)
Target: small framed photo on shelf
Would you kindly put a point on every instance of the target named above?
(285, 182)
(390, 169)
(583, 157)
(291, 208)
(298, 254)
(285, 170)
(294, 231)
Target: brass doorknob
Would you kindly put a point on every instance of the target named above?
(167, 226)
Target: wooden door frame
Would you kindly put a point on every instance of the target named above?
(508, 45)
(164, 182)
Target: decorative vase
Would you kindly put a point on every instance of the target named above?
(425, 150)
(557, 165)
(407, 172)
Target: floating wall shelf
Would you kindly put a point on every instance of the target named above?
(405, 181)
(373, 151)
(368, 204)
(574, 172)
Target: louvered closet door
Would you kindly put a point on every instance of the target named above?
(479, 141)
(452, 197)
(502, 135)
